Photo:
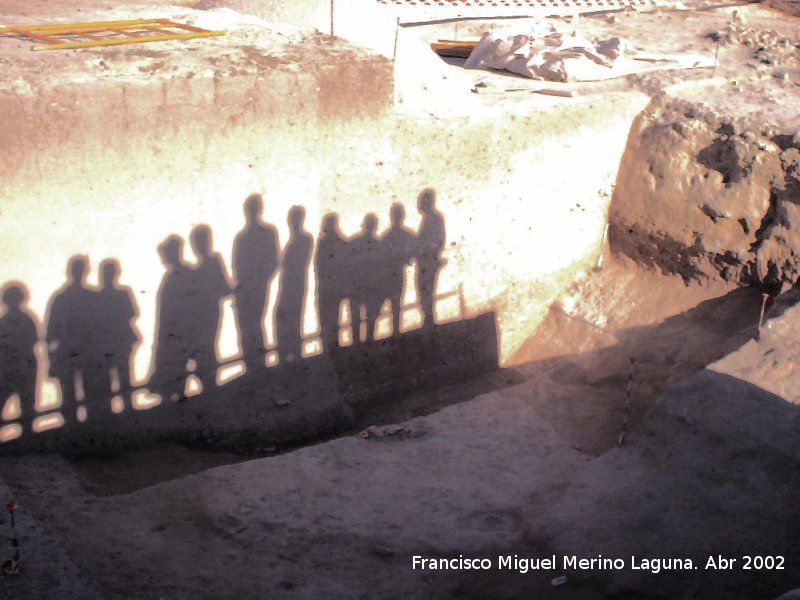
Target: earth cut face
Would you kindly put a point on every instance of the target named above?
(319, 313)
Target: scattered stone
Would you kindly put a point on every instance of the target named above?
(478, 86)
(552, 70)
(393, 429)
(388, 432)
(382, 551)
(612, 47)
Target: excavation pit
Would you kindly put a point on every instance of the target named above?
(492, 432)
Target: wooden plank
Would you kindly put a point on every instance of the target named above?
(160, 31)
(42, 38)
(101, 25)
(184, 26)
(472, 43)
(89, 36)
(453, 50)
(131, 32)
(128, 40)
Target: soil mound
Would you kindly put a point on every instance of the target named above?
(704, 197)
(712, 471)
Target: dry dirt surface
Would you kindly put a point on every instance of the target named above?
(250, 46)
(709, 468)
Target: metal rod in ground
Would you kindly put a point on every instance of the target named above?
(601, 258)
(12, 507)
(627, 406)
(396, 32)
(764, 298)
(716, 54)
(331, 17)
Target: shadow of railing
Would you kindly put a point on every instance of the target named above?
(285, 385)
(289, 404)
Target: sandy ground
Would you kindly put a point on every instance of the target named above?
(511, 472)
(710, 467)
(250, 45)
(741, 85)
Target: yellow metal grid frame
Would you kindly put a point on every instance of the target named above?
(106, 33)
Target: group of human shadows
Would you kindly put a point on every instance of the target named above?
(90, 333)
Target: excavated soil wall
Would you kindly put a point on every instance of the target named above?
(706, 197)
(108, 168)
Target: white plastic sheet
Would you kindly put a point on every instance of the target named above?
(542, 52)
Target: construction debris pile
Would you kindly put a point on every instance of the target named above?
(544, 53)
(771, 49)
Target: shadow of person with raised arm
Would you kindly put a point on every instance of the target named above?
(397, 251)
(116, 334)
(430, 244)
(210, 285)
(71, 340)
(174, 323)
(18, 337)
(331, 267)
(295, 262)
(365, 285)
(255, 260)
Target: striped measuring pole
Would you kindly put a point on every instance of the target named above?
(627, 406)
(11, 566)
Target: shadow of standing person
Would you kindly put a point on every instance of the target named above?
(173, 323)
(430, 244)
(117, 335)
(366, 295)
(397, 251)
(209, 286)
(18, 337)
(331, 273)
(295, 262)
(71, 341)
(255, 260)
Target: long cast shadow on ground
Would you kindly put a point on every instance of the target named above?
(295, 402)
(725, 512)
(721, 482)
(585, 393)
(277, 409)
